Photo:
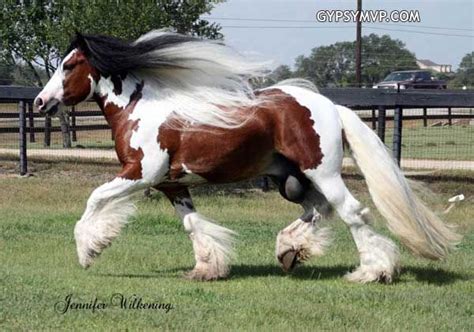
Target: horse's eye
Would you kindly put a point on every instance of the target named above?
(68, 66)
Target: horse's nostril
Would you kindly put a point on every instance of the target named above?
(38, 102)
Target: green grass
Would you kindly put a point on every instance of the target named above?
(442, 143)
(39, 266)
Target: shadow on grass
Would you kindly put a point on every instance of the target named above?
(248, 271)
(130, 275)
(300, 272)
(435, 276)
(428, 275)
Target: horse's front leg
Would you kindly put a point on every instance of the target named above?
(212, 243)
(108, 209)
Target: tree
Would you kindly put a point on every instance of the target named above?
(467, 62)
(7, 69)
(281, 73)
(36, 33)
(465, 72)
(335, 64)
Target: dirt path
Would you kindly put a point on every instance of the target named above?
(108, 155)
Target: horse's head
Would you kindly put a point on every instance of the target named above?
(74, 81)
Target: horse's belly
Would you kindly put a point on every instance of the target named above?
(220, 156)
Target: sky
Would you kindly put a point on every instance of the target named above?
(283, 44)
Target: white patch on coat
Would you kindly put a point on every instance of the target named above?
(52, 94)
(92, 87)
(151, 113)
(106, 88)
(186, 169)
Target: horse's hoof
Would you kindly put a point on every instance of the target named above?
(200, 275)
(288, 260)
(365, 275)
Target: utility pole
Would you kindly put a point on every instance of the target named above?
(358, 48)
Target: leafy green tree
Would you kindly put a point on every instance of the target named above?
(465, 72)
(280, 73)
(7, 68)
(335, 64)
(36, 33)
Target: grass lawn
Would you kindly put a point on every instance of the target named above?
(39, 265)
(441, 143)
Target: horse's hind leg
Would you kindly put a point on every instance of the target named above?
(379, 256)
(303, 238)
(212, 244)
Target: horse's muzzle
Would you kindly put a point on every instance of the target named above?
(45, 107)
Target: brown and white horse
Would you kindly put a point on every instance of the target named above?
(183, 113)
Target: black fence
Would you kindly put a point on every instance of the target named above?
(379, 106)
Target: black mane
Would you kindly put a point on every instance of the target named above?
(114, 56)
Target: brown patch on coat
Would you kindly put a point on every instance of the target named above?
(122, 130)
(278, 125)
(76, 84)
(295, 136)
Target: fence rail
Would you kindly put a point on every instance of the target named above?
(378, 101)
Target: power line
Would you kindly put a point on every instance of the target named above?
(314, 21)
(342, 27)
(424, 26)
(421, 32)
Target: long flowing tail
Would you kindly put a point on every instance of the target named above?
(419, 228)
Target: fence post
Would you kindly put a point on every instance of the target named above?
(47, 131)
(64, 123)
(374, 121)
(397, 133)
(73, 124)
(450, 116)
(31, 122)
(425, 117)
(381, 123)
(22, 132)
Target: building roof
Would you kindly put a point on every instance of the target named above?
(427, 62)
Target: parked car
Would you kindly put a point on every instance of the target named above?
(410, 79)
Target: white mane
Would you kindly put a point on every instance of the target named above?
(205, 78)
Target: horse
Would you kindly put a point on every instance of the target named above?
(183, 113)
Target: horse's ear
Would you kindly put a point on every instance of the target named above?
(81, 42)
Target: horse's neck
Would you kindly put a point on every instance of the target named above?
(117, 99)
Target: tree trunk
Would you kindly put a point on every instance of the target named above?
(35, 73)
